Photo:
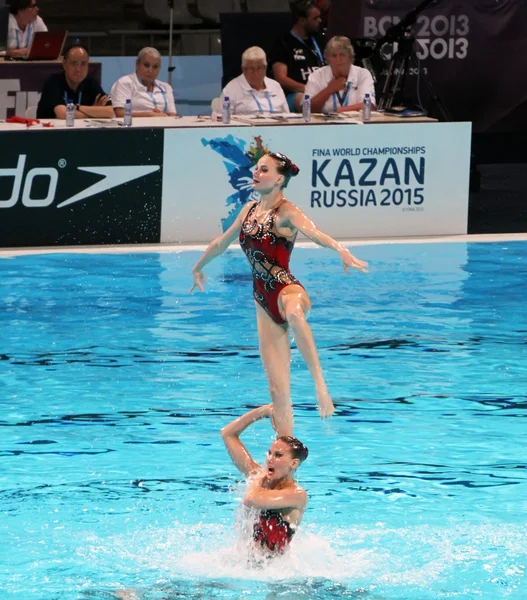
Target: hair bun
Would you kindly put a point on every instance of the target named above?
(294, 170)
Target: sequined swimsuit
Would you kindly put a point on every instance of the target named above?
(272, 531)
(268, 254)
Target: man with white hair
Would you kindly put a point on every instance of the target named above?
(253, 93)
(150, 97)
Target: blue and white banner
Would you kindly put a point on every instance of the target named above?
(377, 180)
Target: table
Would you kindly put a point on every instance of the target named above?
(21, 83)
(185, 181)
(207, 121)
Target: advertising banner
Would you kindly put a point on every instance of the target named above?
(358, 181)
(81, 187)
(473, 53)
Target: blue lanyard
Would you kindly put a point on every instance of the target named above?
(342, 99)
(268, 96)
(66, 100)
(163, 93)
(28, 38)
(316, 50)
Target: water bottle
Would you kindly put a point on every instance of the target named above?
(366, 108)
(226, 111)
(306, 109)
(70, 114)
(127, 119)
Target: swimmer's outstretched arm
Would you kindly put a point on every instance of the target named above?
(217, 247)
(295, 218)
(231, 438)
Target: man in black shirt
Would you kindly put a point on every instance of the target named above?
(75, 86)
(299, 53)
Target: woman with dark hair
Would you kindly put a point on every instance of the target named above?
(23, 23)
(272, 489)
(267, 229)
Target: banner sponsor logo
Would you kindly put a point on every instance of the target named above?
(239, 159)
(14, 99)
(397, 173)
(437, 37)
(23, 182)
(81, 187)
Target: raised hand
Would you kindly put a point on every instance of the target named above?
(337, 84)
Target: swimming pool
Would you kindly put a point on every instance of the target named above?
(115, 383)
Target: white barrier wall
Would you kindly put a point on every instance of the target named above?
(355, 181)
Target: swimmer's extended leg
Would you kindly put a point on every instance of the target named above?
(275, 351)
(295, 305)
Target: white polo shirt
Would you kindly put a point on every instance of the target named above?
(129, 86)
(360, 82)
(16, 38)
(247, 101)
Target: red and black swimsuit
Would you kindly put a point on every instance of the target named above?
(272, 531)
(268, 254)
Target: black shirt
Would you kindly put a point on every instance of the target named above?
(301, 57)
(56, 91)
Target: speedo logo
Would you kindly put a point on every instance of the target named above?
(23, 182)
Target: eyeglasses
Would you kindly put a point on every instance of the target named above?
(256, 69)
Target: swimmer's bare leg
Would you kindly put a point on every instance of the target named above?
(275, 351)
(295, 306)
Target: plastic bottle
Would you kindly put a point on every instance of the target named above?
(366, 109)
(127, 119)
(226, 110)
(70, 114)
(306, 109)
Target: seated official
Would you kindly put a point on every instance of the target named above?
(341, 85)
(75, 86)
(252, 92)
(23, 23)
(150, 97)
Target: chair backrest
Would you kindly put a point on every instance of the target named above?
(216, 105)
(211, 9)
(268, 6)
(31, 112)
(195, 43)
(160, 11)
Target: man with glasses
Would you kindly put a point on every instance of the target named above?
(23, 23)
(74, 86)
(299, 52)
(252, 93)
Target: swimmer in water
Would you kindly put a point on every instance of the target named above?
(272, 489)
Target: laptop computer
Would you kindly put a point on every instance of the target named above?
(46, 45)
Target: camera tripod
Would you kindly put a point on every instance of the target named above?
(394, 85)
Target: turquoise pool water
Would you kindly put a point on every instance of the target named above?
(115, 382)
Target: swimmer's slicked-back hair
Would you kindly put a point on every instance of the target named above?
(298, 450)
(285, 166)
